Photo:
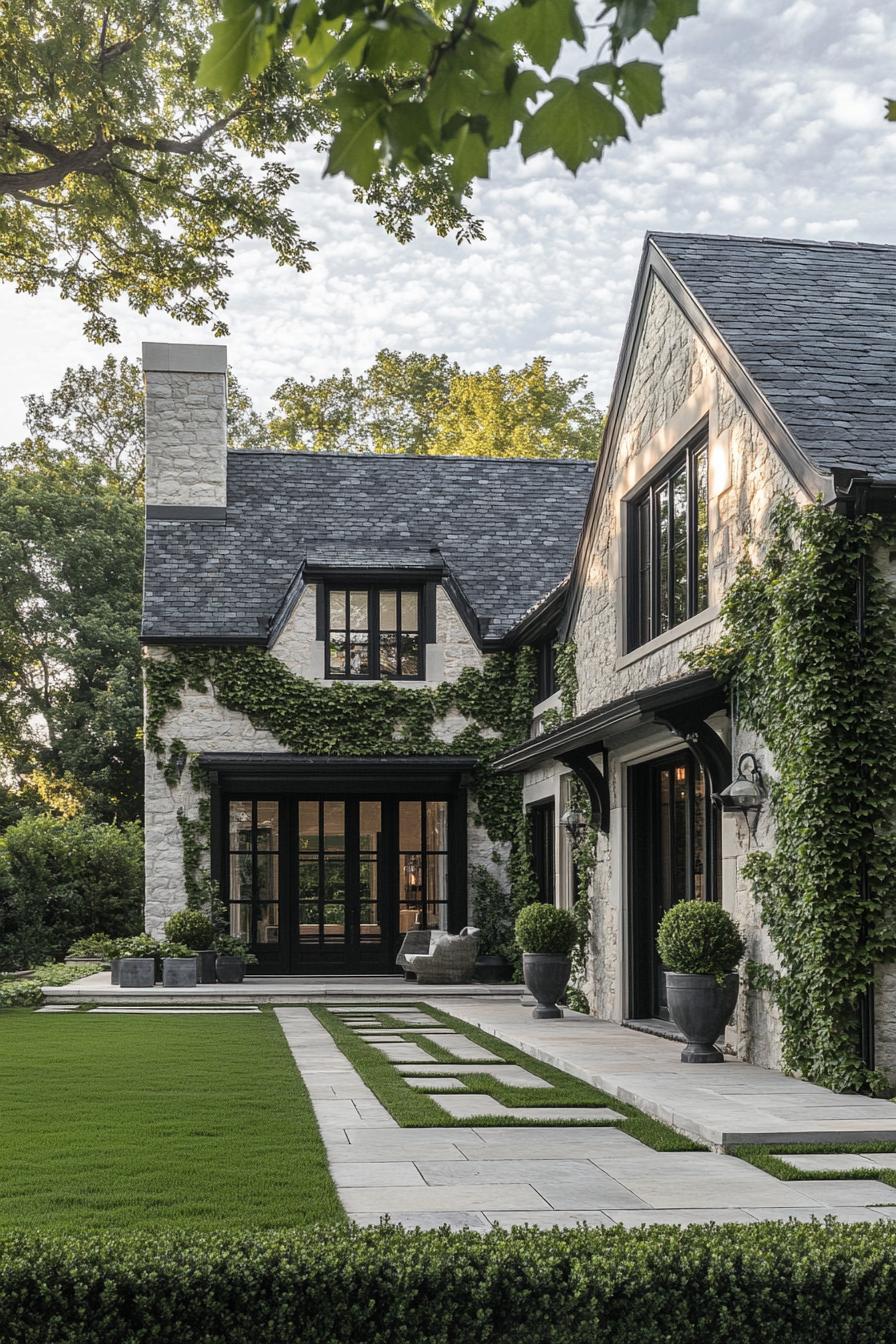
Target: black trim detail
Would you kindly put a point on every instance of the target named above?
(595, 784)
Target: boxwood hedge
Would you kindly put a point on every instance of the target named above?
(782, 1282)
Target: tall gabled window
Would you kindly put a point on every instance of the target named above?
(374, 633)
(669, 547)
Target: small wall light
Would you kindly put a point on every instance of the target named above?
(575, 823)
(746, 793)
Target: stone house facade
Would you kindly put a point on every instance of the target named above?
(731, 393)
(349, 574)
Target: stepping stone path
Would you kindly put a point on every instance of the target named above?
(547, 1175)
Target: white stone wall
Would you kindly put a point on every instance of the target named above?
(186, 439)
(675, 384)
(204, 725)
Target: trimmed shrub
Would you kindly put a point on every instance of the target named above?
(492, 914)
(191, 927)
(787, 1283)
(29, 993)
(99, 945)
(699, 938)
(60, 880)
(544, 928)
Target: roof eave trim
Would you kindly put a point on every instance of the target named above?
(541, 620)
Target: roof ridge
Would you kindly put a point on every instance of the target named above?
(775, 242)
(411, 457)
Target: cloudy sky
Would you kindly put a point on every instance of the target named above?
(773, 127)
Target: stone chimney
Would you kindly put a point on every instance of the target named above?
(186, 430)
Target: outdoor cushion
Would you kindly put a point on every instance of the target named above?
(451, 960)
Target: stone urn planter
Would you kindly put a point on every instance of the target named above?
(546, 937)
(546, 975)
(179, 972)
(137, 972)
(700, 945)
(701, 1007)
(231, 970)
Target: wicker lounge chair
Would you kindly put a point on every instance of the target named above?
(450, 962)
(417, 942)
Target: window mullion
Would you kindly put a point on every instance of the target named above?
(373, 632)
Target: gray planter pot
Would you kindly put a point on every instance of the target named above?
(231, 970)
(205, 968)
(700, 1007)
(137, 972)
(115, 969)
(546, 975)
(179, 972)
(492, 970)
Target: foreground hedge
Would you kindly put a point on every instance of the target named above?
(737, 1284)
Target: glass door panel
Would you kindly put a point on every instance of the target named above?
(422, 865)
(253, 873)
(370, 842)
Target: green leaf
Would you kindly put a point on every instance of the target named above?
(890, 104)
(469, 154)
(227, 60)
(354, 150)
(577, 123)
(667, 17)
(642, 88)
(541, 26)
(502, 110)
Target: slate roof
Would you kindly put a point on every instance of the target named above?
(506, 528)
(814, 324)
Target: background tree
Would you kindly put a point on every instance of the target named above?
(121, 178)
(427, 404)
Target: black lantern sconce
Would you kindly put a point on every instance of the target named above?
(746, 793)
(575, 823)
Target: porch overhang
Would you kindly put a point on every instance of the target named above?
(682, 705)
(334, 774)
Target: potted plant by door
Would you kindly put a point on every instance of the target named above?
(494, 920)
(700, 945)
(136, 960)
(232, 959)
(546, 937)
(195, 929)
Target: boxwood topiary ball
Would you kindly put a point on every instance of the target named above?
(699, 938)
(543, 928)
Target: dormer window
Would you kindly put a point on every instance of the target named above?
(669, 547)
(374, 633)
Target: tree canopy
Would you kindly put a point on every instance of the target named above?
(123, 179)
(427, 404)
(412, 80)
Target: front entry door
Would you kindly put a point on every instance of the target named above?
(671, 818)
(343, 917)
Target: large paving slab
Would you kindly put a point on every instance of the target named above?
(547, 1176)
(514, 1075)
(722, 1105)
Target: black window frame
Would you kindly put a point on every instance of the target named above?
(545, 668)
(659, 584)
(543, 840)
(373, 591)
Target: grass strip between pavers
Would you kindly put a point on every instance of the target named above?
(413, 1109)
(768, 1158)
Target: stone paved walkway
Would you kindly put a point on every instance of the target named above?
(723, 1105)
(548, 1176)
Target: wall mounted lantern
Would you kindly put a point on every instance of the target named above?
(746, 793)
(575, 823)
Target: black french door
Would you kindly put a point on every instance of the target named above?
(674, 857)
(331, 885)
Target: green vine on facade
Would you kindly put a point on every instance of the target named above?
(818, 687)
(567, 678)
(379, 719)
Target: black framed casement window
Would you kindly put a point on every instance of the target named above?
(374, 632)
(541, 834)
(545, 668)
(669, 547)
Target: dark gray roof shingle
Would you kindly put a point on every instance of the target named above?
(814, 325)
(506, 528)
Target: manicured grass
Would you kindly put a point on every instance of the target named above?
(415, 1109)
(159, 1121)
(766, 1157)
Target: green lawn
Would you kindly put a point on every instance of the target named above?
(177, 1121)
